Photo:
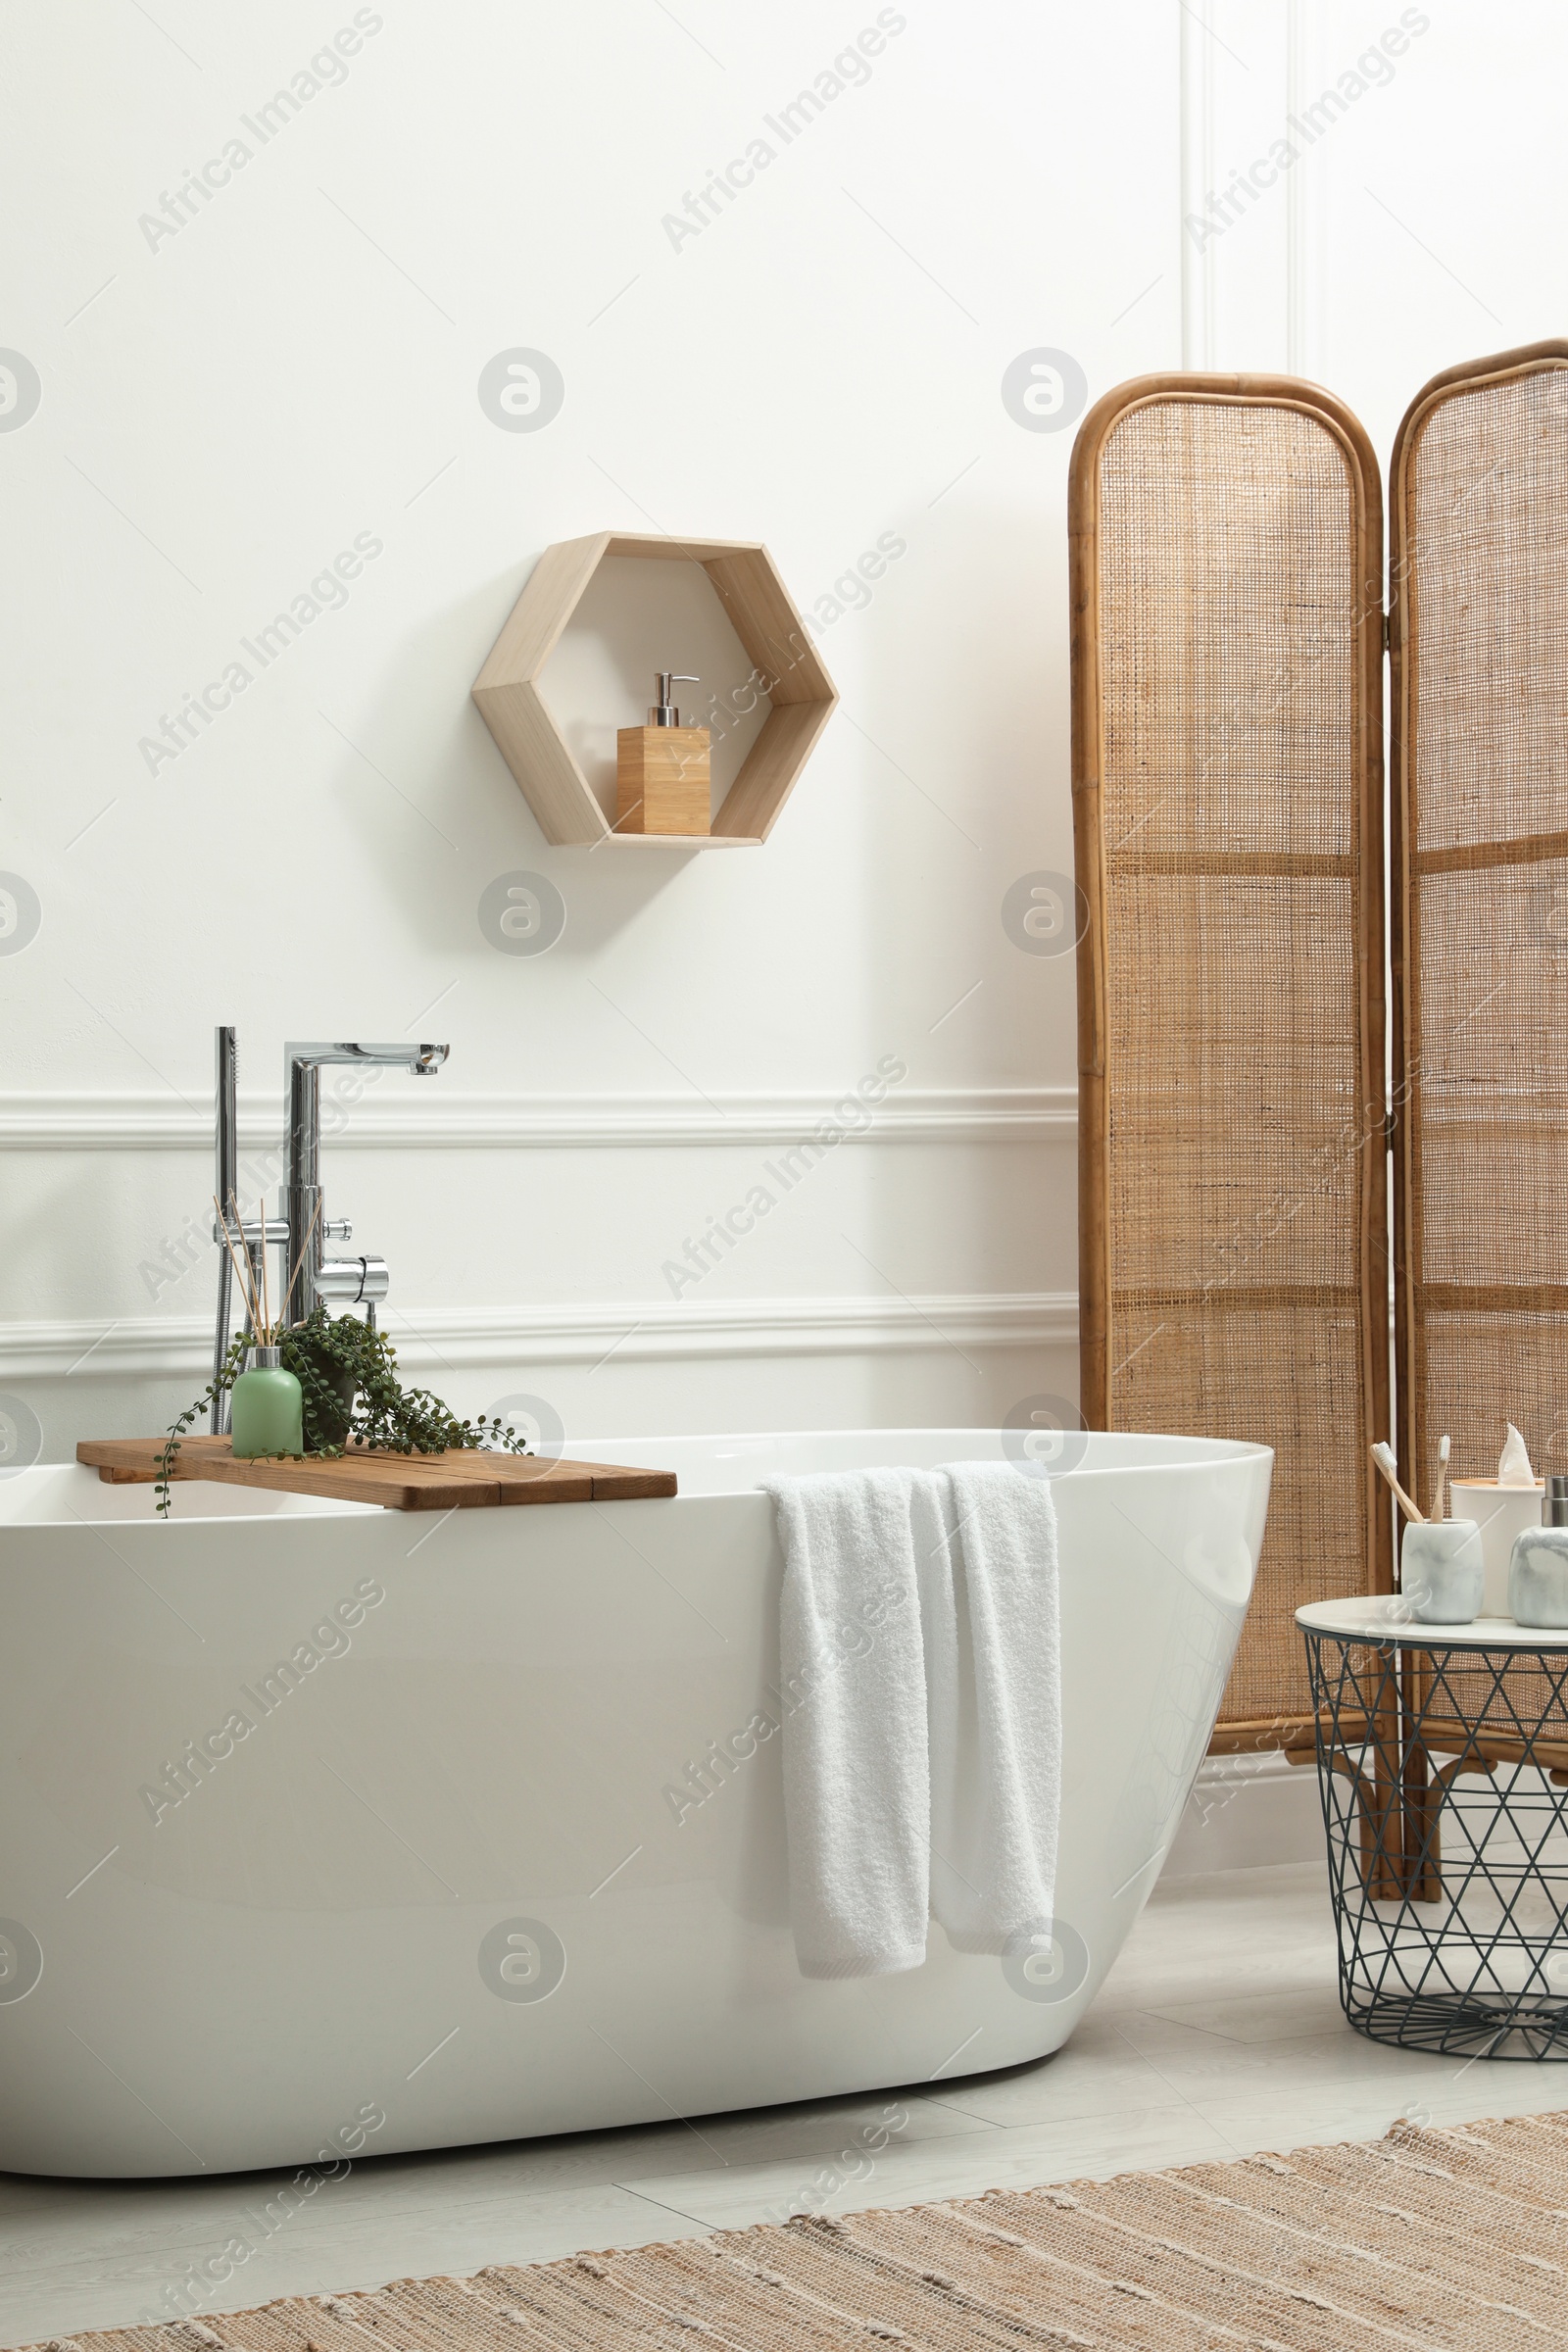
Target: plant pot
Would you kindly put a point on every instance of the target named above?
(340, 1381)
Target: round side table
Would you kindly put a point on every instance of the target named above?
(1442, 1767)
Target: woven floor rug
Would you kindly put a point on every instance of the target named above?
(1427, 2238)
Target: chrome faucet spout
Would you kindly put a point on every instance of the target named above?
(422, 1060)
(312, 1278)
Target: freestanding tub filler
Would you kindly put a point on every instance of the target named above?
(320, 1822)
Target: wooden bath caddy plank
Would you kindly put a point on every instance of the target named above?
(530, 1478)
(457, 1479)
(533, 1478)
(514, 1478)
(615, 1484)
(403, 1486)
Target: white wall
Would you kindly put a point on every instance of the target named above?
(226, 408)
(1405, 211)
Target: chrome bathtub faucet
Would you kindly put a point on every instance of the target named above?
(348, 1281)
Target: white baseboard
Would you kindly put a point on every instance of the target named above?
(1246, 1812)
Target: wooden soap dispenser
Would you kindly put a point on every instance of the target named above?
(662, 770)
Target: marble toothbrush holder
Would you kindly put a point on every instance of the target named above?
(1441, 1575)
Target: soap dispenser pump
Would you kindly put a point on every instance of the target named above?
(662, 779)
(663, 712)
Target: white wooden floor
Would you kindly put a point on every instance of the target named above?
(1218, 2033)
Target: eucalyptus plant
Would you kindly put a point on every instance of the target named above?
(350, 1395)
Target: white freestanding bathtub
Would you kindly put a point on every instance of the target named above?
(326, 1828)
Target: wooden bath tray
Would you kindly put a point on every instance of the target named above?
(400, 1482)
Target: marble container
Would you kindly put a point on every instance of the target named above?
(1538, 1579)
(1441, 1575)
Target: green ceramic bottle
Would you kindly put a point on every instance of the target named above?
(265, 1415)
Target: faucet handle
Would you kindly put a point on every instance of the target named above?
(354, 1281)
(338, 1229)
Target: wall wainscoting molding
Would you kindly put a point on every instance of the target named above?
(136, 1347)
(435, 1119)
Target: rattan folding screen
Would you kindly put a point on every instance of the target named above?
(1228, 797)
(1478, 498)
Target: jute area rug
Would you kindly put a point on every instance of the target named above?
(1429, 2238)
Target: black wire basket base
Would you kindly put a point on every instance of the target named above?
(1443, 1775)
(1465, 2025)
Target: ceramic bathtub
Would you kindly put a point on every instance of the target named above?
(328, 1829)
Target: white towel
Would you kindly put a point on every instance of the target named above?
(857, 1792)
(921, 1667)
(993, 1663)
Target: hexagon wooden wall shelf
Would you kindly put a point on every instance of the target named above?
(772, 636)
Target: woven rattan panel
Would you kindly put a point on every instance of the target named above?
(1480, 489)
(1229, 740)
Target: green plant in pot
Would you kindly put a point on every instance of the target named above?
(350, 1395)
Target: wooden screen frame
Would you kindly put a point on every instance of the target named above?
(1471, 376)
(1088, 712)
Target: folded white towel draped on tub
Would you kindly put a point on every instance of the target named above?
(991, 1619)
(921, 1669)
(857, 1792)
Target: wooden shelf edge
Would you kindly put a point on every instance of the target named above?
(670, 841)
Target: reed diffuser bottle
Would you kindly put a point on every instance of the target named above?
(266, 1404)
(266, 1408)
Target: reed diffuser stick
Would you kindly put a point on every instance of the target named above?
(1443, 1473)
(266, 1311)
(1384, 1459)
(253, 1296)
(240, 1262)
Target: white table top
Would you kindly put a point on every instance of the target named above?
(1383, 1617)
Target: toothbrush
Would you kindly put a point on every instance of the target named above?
(1382, 1455)
(1443, 1472)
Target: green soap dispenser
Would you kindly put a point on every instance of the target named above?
(266, 1407)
